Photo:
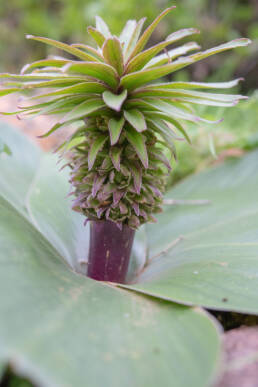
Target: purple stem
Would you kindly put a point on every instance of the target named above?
(110, 250)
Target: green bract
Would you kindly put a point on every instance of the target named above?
(116, 155)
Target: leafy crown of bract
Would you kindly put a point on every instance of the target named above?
(116, 154)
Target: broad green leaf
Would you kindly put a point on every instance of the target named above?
(138, 143)
(96, 35)
(55, 303)
(148, 32)
(65, 47)
(172, 54)
(136, 119)
(101, 71)
(115, 127)
(133, 80)
(51, 302)
(17, 171)
(96, 147)
(85, 108)
(102, 27)
(207, 255)
(140, 60)
(113, 54)
(71, 242)
(223, 47)
(114, 101)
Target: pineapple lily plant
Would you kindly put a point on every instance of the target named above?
(126, 124)
(61, 328)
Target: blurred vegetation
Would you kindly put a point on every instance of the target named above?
(10, 379)
(66, 20)
(211, 144)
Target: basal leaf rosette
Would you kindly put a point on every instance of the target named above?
(126, 122)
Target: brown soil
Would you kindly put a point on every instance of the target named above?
(241, 358)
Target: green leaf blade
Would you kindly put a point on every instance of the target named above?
(101, 71)
(136, 119)
(115, 127)
(83, 110)
(4, 92)
(65, 47)
(95, 148)
(114, 101)
(140, 60)
(148, 32)
(210, 251)
(137, 141)
(112, 52)
(172, 54)
(115, 155)
(102, 27)
(96, 35)
(241, 42)
(133, 80)
(78, 88)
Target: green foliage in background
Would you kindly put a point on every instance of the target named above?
(232, 137)
(66, 20)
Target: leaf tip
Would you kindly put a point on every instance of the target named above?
(24, 68)
(66, 67)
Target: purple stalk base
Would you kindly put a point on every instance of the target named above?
(110, 250)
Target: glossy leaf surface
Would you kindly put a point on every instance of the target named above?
(209, 252)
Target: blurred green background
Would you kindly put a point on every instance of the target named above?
(66, 20)
(218, 20)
